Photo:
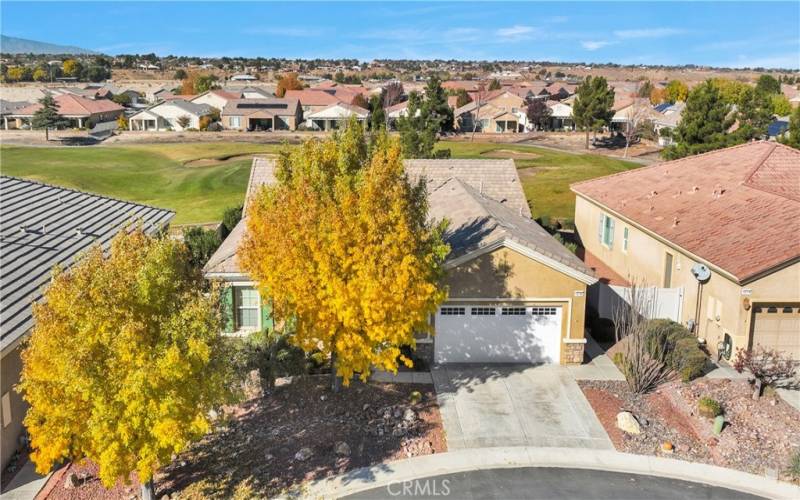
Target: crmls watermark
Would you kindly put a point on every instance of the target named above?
(419, 488)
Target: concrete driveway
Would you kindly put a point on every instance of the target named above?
(509, 405)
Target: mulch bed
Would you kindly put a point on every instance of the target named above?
(759, 436)
(258, 447)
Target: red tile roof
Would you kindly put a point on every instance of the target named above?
(72, 105)
(601, 270)
(309, 97)
(737, 208)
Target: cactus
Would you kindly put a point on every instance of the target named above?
(708, 407)
(719, 423)
(415, 397)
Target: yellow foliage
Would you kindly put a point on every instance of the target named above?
(125, 359)
(342, 244)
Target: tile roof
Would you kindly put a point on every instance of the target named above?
(339, 110)
(736, 208)
(45, 225)
(73, 105)
(312, 97)
(496, 179)
(273, 106)
(477, 221)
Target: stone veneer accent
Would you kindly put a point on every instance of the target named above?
(573, 353)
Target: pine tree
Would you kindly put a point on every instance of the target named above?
(592, 108)
(792, 135)
(704, 124)
(47, 116)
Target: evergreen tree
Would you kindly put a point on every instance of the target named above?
(592, 108)
(435, 104)
(755, 115)
(377, 118)
(47, 116)
(418, 130)
(792, 135)
(704, 123)
(495, 84)
(768, 84)
(462, 98)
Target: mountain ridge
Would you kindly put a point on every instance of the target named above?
(14, 45)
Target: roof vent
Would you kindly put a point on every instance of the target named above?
(675, 222)
(694, 189)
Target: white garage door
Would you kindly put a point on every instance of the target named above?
(488, 333)
(777, 326)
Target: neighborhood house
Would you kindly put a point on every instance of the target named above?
(174, 114)
(262, 114)
(734, 211)
(516, 295)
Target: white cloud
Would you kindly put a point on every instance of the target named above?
(595, 44)
(648, 33)
(516, 32)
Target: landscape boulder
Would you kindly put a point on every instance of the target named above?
(342, 449)
(303, 455)
(628, 423)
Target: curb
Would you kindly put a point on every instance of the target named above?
(367, 478)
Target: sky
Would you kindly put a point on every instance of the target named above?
(730, 34)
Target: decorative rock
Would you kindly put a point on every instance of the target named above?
(71, 481)
(415, 397)
(268, 457)
(409, 416)
(365, 407)
(342, 449)
(303, 455)
(667, 447)
(628, 423)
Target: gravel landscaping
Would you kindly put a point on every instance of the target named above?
(758, 437)
(298, 432)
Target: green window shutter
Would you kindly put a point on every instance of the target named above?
(611, 233)
(267, 323)
(227, 309)
(600, 228)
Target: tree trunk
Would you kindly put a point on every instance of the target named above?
(625, 154)
(336, 380)
(46, 134)
(587, 138)
(148, 491)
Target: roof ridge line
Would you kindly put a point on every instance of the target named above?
(759, 163)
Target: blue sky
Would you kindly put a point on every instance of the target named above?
(721, 34)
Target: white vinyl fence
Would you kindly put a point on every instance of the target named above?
(667, 302)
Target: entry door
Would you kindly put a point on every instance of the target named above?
(491, 333)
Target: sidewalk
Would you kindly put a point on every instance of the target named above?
(599, 368)
(26, 484)
(492, 458)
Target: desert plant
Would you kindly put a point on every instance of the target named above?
(708, 407)
(643, 364)
(767, 366)
(719, 424)
(794, 465)
(677, 346)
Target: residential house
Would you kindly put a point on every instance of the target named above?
(7, 109)
(516, 295)
(312, 100)
(499, 111)
(216, 98)
(80, 111)
(638, 111)
(167, 115)
(668, 121)
(561, 116)
(735, 211)
(262, 114)
(778, 126)
(335, 116)
(243, 78)
(44, 226)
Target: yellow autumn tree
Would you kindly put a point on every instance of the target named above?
(342, 244)
(125, 360)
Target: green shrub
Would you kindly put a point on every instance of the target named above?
(619, 360)
(708, 407)
(677, 347)
(794, 465)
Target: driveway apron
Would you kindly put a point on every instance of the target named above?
(510, 405)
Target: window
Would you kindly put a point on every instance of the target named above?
(452, 311)
(543, 311)
(6, 409)
(606, 231)
(625, 239)
(247, 307)
(513, 311)
(483, 311)
(236, 121)
(667, 270)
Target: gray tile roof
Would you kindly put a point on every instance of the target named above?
(44, 225)
(496, 179)
(274, 106)
(477, 221)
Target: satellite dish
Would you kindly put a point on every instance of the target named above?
(701, 272)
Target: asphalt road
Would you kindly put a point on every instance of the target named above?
(550, 483)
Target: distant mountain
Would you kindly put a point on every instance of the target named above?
(12, 45)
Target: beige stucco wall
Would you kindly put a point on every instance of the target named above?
(507, 274)
(722, 296)
(10, 368)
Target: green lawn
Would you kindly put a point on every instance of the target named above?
(170, 176)
(545, 174)
(151, 174)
